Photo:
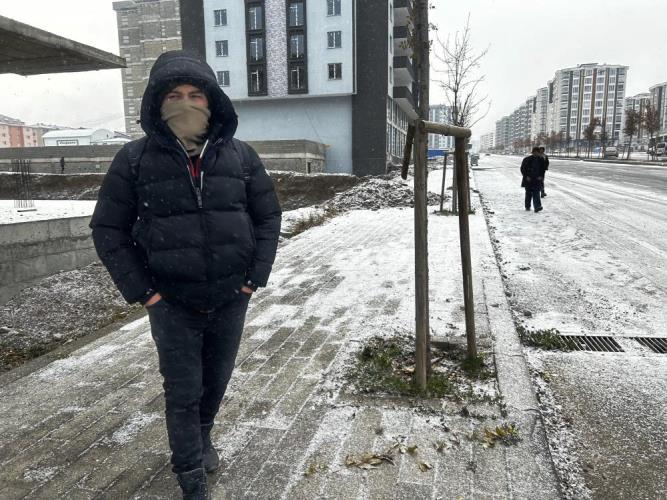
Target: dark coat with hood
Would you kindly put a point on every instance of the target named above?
(155, 230)
(532, 167)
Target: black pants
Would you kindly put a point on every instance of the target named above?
(197, 352)
(533, 194)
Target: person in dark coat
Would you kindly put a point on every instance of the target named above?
(546, 167)
(187, 223)
(62, 164)
(532, 170)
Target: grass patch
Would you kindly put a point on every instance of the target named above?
(313, 220)
(386, 366)
(547, 339)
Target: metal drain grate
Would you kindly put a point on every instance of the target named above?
(591, 343)
(656, 344)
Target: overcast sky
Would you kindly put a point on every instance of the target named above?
(527, 40)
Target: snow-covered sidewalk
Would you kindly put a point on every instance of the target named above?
(91, 425)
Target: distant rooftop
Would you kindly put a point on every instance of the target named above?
(8, 120)
(77, 132)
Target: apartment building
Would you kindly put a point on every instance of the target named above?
(638, 103)
(659, 102)
(586, 92)
(336, 72)
(440, 113)
(16, 134)
(538, 124)
(503, 133)
(146, 29)
(487, 142)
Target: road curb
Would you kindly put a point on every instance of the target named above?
(529, 465)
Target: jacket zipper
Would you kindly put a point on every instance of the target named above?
(197, 189)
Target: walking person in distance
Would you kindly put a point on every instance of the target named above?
(532, 170)
(546, 167)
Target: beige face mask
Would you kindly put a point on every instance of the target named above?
(188, 121)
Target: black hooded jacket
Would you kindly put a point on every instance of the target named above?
(532, 167)
(155, 230)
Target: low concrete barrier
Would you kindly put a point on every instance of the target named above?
(30, 251)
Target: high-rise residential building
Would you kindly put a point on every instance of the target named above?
(503, 135)
(487, 142)
(538, 124)
(659, 102)
(440, 113)
(337, 72)
(637, 103)
(584, 93)
(146, 29)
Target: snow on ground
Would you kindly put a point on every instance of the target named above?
(593, 262)
(46, 209)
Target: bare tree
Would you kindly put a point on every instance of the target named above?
(589, 134)
(652, 125)
(631, 127)
(459, 65)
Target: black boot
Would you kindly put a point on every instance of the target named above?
(193, 484)
(210, 459)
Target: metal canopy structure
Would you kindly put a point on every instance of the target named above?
(25, 50)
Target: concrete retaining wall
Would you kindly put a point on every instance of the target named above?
(30, 251)
(297, 156)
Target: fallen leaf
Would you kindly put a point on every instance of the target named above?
(424, 466)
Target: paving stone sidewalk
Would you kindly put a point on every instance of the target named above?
(91, 425)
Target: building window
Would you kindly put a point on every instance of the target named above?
(220, 17)
(297, 77)
(333, 7)
(256, 49)
(296, 16)
(223, 78)
(221, 48)
(334, 40)
(297, 63)
(296, 46)
(255, 18)
(335, 71)
(257, 81)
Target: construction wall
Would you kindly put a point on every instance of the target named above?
(33, 250)
(296, 156)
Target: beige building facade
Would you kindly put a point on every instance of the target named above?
(146, 29)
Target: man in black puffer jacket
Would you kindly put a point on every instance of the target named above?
(187, 223)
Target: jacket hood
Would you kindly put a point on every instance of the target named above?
(176, 67)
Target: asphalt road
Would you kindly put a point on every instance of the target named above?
(653, 179)
(593, 262)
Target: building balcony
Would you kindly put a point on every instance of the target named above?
(402, 12)
(401, 32)
(404, 73)
(405, 101)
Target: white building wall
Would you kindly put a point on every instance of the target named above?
(235, 34)
(325, 120)
(319, 56)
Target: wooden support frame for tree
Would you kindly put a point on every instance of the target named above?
(417, 132)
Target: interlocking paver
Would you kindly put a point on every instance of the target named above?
(284, 410)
